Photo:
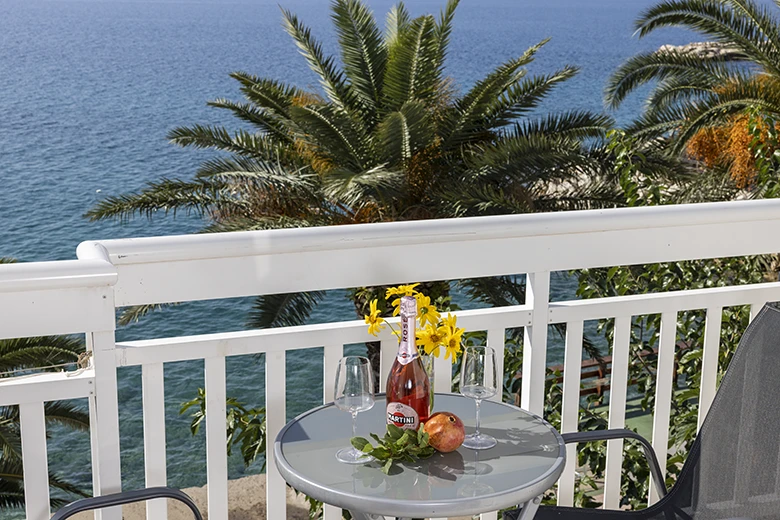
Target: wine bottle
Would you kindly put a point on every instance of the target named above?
(408, 388)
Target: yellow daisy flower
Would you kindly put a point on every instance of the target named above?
(451, 322)
(431, 338)
(374, 320)
(426, 311)
(401, 290)
(452, 343)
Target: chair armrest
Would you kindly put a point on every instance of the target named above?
(621, 433)
(127, 497)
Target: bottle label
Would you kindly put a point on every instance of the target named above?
(403, 416)
(407, 349)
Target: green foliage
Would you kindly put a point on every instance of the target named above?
(246, 427)
(397, 445)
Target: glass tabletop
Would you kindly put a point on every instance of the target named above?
(527, 461)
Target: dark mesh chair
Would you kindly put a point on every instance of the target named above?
(733, 469)
(128, 497)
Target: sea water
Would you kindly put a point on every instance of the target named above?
(89, 89)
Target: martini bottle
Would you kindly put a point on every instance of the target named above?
(408, 387)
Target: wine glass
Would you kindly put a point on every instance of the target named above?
(354, 393)
(478, 381)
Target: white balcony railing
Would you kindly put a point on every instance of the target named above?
(80, 296)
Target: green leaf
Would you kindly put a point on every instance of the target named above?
(360, 443)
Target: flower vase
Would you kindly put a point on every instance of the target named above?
(427, 361)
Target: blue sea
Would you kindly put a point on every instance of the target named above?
(89, 89)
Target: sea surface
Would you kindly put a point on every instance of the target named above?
(89, 89)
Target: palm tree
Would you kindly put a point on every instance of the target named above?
(387, 138)
(693, 93)
(26, 355)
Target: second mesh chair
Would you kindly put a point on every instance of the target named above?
(733, 469)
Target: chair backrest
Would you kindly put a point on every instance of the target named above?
(733, 470)
(127, 497)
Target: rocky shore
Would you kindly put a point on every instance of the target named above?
(709, 50)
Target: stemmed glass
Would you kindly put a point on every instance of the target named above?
(478, 381)
(354, 393)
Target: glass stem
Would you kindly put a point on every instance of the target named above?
(477, 428)
(354, 423)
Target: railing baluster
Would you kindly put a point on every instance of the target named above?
(442, 375)
(216, 437)
(755, 308)
(663, 394)
(331, 358)
(104, 432)
(34, 461)
(276, 417)
(389, 349)
(537, 294)
(155, 470)
(496, 339)
(709, 362)
(617, 411)
(493, 515)
(570, 409)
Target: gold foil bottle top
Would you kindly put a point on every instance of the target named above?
(408, 307)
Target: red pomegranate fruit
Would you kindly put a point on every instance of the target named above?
(445, 431)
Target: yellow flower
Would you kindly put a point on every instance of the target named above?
(431, 338)
(451, 322)
(374, 320)
(426, 312)
(452, 342)
(401, 290)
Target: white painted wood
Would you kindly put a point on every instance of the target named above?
(388, 353)
(331, 512)
(216, 438)
(496, 339)
(276, 418)
(238, 343)
(663, 394)
(253, 261)
(489, 516)
(66, 311)
(49, 386)
(709, 362)
(617, 410)
(755, 307)
(331, 356)
(639, 304)
(442, 375)
(106, 465)
(155, 470)
(570, 409)
(53, 276)
(34, 461)
(537, 295)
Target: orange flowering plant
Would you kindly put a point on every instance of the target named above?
(435, 334)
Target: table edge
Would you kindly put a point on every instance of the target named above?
(396, 507)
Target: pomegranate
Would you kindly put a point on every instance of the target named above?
(445, 431)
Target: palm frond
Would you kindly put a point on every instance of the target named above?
(169, 196)
(363, 51)
(410, 69)
(443, 30)
(266, 123)
(66, 414)
(524, 96)
(331, 79)
(284, 310)
(268, 94)
(738, 23)
(569, 125)
(406, 131)
(395, 24)
(334, 133)
(659, 66)
(242, 143)
(377, 184)
(476, 105)
(134, 313)
(35, 352)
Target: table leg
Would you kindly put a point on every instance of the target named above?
(529, 509)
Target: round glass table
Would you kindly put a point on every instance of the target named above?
(527, 461)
